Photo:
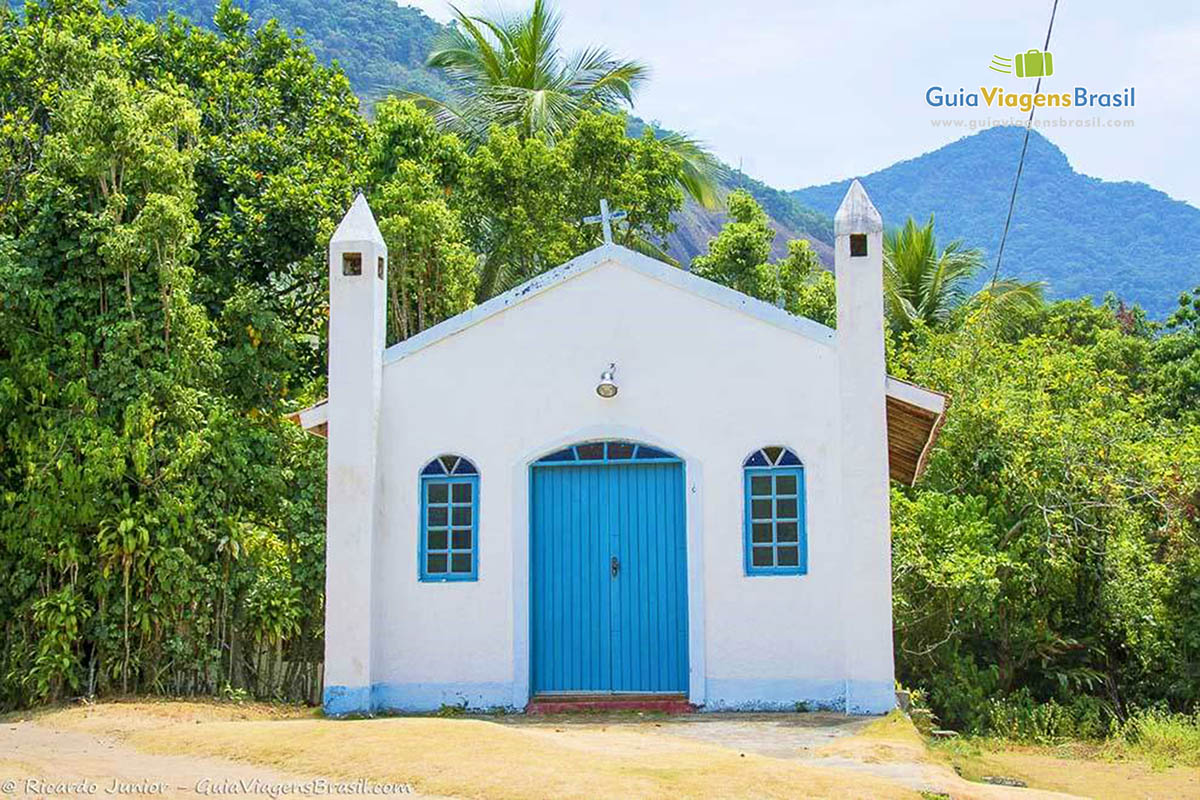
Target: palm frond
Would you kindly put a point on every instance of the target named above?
(702, 172)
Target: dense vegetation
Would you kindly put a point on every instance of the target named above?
(1081, 235)
(381, 45)
(166, 193)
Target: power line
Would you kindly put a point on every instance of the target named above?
(1012, 200)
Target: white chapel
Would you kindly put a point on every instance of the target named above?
(615, 481)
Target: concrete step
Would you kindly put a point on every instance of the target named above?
(600, 702)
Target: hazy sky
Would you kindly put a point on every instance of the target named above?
(801, 92)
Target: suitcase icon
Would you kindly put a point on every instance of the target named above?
(1034, 64)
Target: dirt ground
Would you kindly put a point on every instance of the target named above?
(183, 749)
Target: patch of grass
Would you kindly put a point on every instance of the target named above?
(1162, 738)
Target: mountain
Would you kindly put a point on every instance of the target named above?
(1082, 235)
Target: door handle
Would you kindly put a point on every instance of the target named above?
(615, 566)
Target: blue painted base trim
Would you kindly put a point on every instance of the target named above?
(784, 694)
(339, 701)
(342, 700)
(870, 697)
(723, 694)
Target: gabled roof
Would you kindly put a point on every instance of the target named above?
(713, 292)
(914, 414)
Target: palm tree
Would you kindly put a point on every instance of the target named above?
(922, 284)
(510, 72)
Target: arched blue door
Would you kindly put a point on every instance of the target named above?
(608, 570)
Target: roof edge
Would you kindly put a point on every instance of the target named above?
(665, 273)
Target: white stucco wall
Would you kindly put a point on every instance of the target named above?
(706, 382)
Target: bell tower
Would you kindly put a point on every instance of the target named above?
(357, 304)
(862, 378)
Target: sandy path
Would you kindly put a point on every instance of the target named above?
(32, 756)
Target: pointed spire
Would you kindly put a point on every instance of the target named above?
(857, 213)
(358, 225)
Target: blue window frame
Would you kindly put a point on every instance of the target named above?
(776, 542)
(606, 452)
(449, 541)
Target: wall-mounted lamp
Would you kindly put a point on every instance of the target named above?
(607, 387)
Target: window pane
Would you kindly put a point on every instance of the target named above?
(760, 485)
(762, 532)
(785, 509)
(567, 454)
(449, 462)
(461, 515)
(438, 492)
(785, 531)
(462, 492)
(436, 516)
(620, 450)
(591, 452)
(789, 557)
(436, 539)
(785, 484)
(760, 509)
(461, 539)
(460, 562)
(435, 563)
(757, 459)
(762, 557)
(772, 453)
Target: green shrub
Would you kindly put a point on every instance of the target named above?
(1162, 737)
(1021, 718)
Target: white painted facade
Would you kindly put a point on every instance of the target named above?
(705, 373)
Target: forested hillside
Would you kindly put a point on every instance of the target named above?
(380, 44)
(1082, 235)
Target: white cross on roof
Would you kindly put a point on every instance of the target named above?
(605, 219)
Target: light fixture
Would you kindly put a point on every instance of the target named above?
(607, 387)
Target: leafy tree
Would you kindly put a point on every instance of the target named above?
(807, 288)
(508, 72)
(923, 284)
(1176, 361)
(738, 258)
(381, 45)
(431, 274)
(157, 532)
(523, 199)
(1052, 546)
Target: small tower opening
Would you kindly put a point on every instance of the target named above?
(379, 267)
(858, 245)
(352, 263)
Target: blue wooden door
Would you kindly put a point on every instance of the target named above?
(608, 571)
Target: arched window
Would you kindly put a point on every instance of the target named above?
(775, 538)
(449, 548)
